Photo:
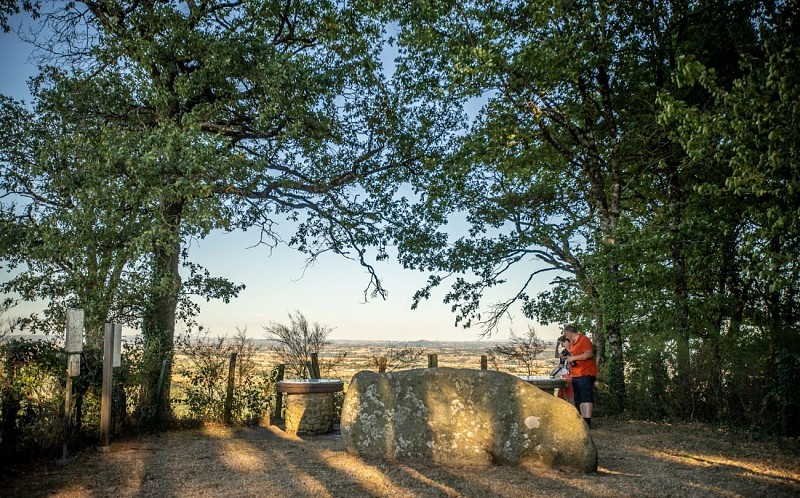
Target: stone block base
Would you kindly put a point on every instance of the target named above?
(310, 413)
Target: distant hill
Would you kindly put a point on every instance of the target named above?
(430, 345)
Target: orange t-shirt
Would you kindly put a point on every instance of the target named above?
(583, 367)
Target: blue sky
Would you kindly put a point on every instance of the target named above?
(330, 292)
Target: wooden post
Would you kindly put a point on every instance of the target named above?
(382, 364)
(231, 383)
(278, 395)
(73, 344)
(66, 459)
(484, 362)
(108, 379)
(433, 360)
(314, 366)
(160, 388)
(117, 349)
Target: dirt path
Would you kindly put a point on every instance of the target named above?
(636, 459)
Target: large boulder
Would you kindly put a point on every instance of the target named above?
(462, 416)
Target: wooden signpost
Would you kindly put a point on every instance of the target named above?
(73, 345)
(112, 347)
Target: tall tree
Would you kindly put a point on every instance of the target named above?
(567, 166)
(550, 160)
(231, 115)
(749, 132)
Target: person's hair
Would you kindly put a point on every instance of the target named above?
(570, 328)
(560, 342)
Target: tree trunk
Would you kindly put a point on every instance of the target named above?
(158, 324)
(599, 340)
(681, 294)
(615, 367)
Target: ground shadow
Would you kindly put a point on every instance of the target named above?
(636, 459)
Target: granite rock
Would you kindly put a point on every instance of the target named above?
(462, 417)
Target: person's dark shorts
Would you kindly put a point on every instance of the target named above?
(583, 388)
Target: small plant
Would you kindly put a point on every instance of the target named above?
(397, 357)
(294, 343)
(521, 350)
(31, 396)
(206, 368)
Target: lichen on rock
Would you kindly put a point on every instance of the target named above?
(462, 417)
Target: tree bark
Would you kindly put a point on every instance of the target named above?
(158, 323)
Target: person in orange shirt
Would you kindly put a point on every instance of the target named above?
(583, 371)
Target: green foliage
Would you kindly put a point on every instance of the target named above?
(32, 383)
(746, 133)
(9, 8)
(204, 363)
(177, 119)
(781, 405)
(642, 154)
(645, 154)
(32, 389)
(647, 378)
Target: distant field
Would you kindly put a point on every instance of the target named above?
(343, 359)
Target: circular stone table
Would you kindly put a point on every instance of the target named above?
(309, 404)
(545, 383)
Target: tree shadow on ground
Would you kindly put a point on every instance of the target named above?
(636, 459)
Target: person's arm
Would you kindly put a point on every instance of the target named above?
(588, 353)
(580, 357)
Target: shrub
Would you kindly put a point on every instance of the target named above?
(32, 382)
(294, 343)
(521, 350)
(205, 367)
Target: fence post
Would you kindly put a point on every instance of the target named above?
(73, 344)
(231, 383)
(484, 362)
(314, 373)
(108, 380)
(433, 360)
(160, 389)
(278, 395)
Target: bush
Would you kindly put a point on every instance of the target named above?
(32, 381)
(205, 365)
(521, 350)
(294, 343)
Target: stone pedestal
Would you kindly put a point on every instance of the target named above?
(546, 384)
(309, 404)
(309, 413)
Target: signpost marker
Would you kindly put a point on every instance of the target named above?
(73, 344)
(111, 358)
